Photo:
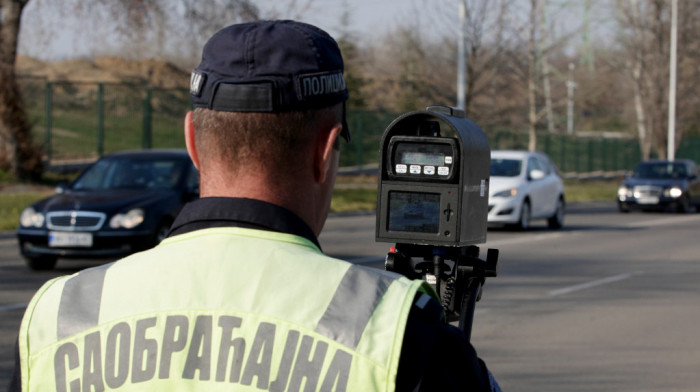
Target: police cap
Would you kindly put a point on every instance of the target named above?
(270, 66)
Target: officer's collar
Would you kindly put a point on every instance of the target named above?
(237, 212)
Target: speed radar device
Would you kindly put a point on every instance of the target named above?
(432, 202)
(434, 179)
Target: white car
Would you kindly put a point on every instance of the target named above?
(525, 186)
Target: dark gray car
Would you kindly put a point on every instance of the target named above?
(123, 203)
(661, 184)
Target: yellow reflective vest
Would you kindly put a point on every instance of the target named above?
(218, 309)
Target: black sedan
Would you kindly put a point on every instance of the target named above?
(123, 203)
(657, 184)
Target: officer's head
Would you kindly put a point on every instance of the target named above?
(269, 97)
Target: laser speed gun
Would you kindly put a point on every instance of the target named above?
(432, 202)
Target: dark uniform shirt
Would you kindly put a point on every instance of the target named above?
(435, 356)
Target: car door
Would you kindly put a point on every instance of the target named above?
(536, 184)
(544, 190)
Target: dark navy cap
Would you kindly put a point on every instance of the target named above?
(270, 66)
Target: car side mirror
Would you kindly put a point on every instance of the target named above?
(536, 175)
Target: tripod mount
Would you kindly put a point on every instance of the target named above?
(456, 273)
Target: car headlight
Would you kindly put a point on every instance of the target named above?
(31, 218)
(507, 193)
(623, 190)
(674, 192)
(128, 220)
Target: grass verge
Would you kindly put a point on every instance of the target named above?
(15, 197)
(12, 204)
(360, 193)
(590, 190)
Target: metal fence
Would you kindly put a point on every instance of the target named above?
(87, 120)
(82, 121)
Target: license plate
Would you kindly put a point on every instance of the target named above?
(648, 200)
(68, 239)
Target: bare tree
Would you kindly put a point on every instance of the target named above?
(507, 57)
(688, 94)
(644, 30)
(634, 43)
(399, 72)
(355, 80)
(541, 45)
(172, 30)
(18, 153)
(134, 19)
(484, 32)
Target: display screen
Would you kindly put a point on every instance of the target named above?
(414, 212)
(422, 158)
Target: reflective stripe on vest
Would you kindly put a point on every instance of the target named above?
(344, 320)
(79, 308)
(338, 328)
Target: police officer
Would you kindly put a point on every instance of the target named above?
(240, 296)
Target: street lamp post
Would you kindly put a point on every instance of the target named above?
(461, 61)
(672, 82)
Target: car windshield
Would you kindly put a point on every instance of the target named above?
(660, 170)
(130, 173)
(506, 167)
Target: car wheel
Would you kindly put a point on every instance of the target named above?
(683, 204)
(622, 207)
(556, 221)
(40, 263)
(524, 221)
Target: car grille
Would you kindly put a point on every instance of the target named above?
(75, 220)
(647, 191)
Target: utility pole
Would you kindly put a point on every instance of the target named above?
(531, 76)
(546, 86)
(588, 56)
(461, 60)
(672, 83)
(570, 86)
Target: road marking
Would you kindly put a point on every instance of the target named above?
(524, 239)
(6, 308)
(591, 284)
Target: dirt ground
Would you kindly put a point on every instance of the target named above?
(155, 73)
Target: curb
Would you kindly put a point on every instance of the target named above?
(6, 235)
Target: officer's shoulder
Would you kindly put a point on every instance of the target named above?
(426, 309)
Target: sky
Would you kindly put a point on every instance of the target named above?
(367, 17)
(60, 37)
(370, 18)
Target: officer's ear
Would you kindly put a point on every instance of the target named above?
(323, 152)
(189, 139)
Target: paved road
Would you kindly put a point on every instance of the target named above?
(607, 303)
